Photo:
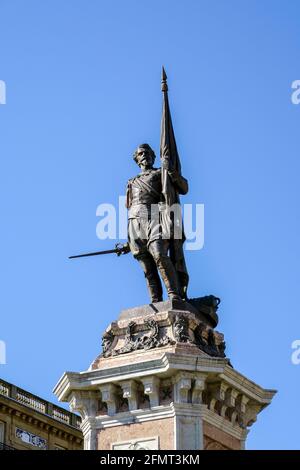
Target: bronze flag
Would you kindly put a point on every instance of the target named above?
(170, 162)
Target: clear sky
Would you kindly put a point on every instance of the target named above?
(83, 89)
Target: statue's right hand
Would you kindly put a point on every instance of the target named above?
(122, 248)
(126, 248)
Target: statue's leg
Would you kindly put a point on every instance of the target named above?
(159, 251)
(151, 275)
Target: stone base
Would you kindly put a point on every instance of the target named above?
(163, 382)
(164, 400)
(161, 325)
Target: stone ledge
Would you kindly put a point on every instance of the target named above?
(203, 307)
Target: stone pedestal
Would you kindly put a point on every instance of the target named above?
(163, 381)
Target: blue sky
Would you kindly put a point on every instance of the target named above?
(83, 89)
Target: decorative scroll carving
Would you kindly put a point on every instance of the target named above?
(149, 340)
(109, 395)
(198, 386)
(154, 335)
(151, 390)
(129, 344)
(182, 390)
(181, 329)
(85, 402)
(130, 393)
(209, 341)
(107, 341)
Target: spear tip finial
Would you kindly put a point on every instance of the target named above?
(164, 85)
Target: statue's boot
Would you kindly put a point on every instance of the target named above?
(154, 287)
(152, 277)
(169, 276)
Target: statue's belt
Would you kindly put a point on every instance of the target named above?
(145, 210)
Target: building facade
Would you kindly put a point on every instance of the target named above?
(28, 422)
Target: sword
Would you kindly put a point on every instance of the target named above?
(120, 249)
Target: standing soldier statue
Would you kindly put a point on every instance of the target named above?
(146, 208)
(155, 231)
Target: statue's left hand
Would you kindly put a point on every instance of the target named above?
(165, 163)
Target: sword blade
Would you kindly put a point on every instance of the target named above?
(106, 252)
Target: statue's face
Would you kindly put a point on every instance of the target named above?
(144, 158)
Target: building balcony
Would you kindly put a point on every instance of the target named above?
(36, 403)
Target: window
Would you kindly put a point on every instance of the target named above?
(2, 432)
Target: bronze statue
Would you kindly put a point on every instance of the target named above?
(158, 189)
(144, 200)
(152, 224)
